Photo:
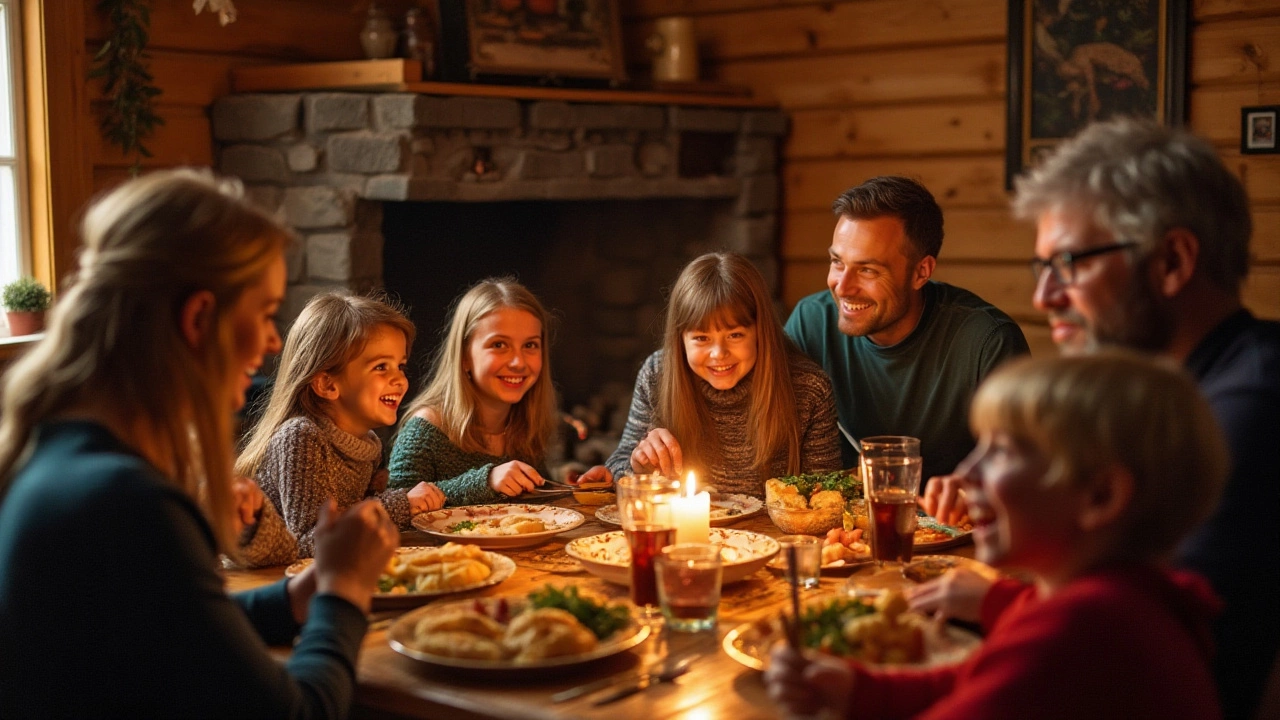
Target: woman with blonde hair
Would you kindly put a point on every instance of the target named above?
(728, 392)
(483, 423)
(341, 375)
(1088, 472)
(115, 469)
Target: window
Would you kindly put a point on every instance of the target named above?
(13, 262)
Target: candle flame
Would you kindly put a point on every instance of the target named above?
(690, 485)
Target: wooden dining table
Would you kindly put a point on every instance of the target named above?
(715, 686)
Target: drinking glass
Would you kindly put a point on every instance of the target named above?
(689, 586)
(891, 478)
(644, 507)
(808, 557)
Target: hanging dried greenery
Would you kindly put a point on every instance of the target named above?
(130, 116)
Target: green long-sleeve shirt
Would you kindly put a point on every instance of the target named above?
(423, 453)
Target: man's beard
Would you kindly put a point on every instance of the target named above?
(1143, 320)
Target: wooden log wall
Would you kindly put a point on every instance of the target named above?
(915, 87)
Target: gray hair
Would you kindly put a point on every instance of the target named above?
(1140, 180)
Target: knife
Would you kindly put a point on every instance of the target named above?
(666, 675)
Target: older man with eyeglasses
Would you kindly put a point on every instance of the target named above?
(1142, 241)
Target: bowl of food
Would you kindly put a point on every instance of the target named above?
(806, 521)
(809, 504)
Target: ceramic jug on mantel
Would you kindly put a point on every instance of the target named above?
(675, 50)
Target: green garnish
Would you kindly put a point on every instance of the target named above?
(386, 583)
(602, 620)
(823, 627)
(459, 527)
(850, 486)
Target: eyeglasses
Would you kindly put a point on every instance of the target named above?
(1063, 264)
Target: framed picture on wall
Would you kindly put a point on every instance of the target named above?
(542, 40)
(1072, 62)
(1258, 129)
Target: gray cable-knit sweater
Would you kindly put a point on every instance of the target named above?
(266, 542)
(815, 409)
(308, 461)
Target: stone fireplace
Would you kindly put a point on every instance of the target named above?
(595, 206)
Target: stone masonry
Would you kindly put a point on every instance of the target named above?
(325, 162)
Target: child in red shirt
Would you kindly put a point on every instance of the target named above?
(1088, 471)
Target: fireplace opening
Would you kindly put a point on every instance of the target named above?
(601, 267)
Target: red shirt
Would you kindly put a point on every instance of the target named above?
(1126, 642)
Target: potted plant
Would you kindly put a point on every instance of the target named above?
(25, 301)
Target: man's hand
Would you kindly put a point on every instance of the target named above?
(944, 499)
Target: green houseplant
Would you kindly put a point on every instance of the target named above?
(25, 301)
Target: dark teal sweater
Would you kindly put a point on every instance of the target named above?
(111, 604)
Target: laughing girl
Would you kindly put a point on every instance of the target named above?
(484, 420)
(341, 375)
(728, 392)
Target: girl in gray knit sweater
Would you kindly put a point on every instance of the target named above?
(341, 375)
(482, 424)
(728, 393)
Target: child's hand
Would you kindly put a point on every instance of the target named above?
(595, 478)
(249, 500)
(957, 594)
(805, 685)
(659, 450)
(513, 478)
(379, 481)
(425, 497)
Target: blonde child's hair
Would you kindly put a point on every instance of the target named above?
(451, 394)
(114, 338)
(1116, 408)
(725, 290)
(332, 330)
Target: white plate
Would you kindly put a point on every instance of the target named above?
(750, 644)
(608, 556)
(400, 635)
(556, 520)
(725, 510)
(501, 567)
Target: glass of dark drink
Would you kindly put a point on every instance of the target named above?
(644, 506)
(689, 586)
(891, 467)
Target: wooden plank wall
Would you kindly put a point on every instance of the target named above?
(915, 87)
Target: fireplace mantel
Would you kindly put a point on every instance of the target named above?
(406, 76)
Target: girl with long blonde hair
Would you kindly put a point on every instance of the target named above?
(482, 424)
(341, 375)
(728, 393)
(115, 460)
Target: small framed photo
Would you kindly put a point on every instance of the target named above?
(1258, 129)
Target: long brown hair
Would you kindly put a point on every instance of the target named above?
(726, 290)
(332, 330)
(452, 395)
(114, 338)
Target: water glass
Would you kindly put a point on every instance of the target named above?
(891, 468)
(689, 586)
(644, 507)
(808, 551)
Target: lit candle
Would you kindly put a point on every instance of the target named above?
(692, 515)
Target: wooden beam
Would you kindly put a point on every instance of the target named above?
(355, 74)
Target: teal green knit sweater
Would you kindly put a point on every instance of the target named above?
(422, 452)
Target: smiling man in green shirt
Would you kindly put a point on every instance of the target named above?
(905, 353)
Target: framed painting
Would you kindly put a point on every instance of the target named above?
(1072, 62)
(1258, 129)
(545, 40)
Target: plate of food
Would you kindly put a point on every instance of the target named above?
(873, 628)
(924, 568)
(414, 575)
(726, 509)
(548, 628)
(842, 551)
(932, 535)
(499, 526)
(608, 556)
(812, 503)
